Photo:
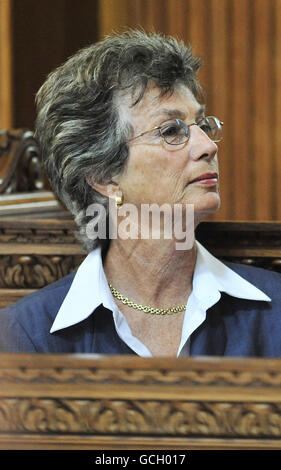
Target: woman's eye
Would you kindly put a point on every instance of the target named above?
(205, 128)
(170, 131)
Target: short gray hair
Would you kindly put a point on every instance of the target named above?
(78, 126)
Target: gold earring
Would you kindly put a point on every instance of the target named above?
(118, 201)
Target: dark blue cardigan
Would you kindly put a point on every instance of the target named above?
(233, 327)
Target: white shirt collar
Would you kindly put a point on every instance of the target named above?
(217, 277)
(90, 289)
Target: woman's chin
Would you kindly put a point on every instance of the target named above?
(207, 203)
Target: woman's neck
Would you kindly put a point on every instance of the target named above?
(151, 272)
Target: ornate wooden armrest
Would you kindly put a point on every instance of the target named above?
(20, 166)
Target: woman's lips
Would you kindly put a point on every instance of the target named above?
(207, 179)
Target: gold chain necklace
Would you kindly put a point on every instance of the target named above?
(143, 308)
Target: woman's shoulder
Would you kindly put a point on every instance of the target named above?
(37, 308)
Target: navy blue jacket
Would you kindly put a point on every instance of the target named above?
(233, 327)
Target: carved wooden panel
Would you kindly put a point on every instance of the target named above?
(80, 401)
(36, 250)
(20, 165)
(35, 271)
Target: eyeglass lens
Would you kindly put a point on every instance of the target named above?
(212, 127)
(176, 132)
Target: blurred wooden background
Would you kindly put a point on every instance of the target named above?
(238, 40)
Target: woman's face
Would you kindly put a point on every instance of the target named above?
(157, 172)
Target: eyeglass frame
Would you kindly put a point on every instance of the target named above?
(185, 126)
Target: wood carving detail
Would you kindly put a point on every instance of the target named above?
(37, 236)
(239, 235)
(35, 271)
(185, 378)
(183, 418)
(20, 163)
(50, 399)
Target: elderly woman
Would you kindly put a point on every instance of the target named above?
(123, 121)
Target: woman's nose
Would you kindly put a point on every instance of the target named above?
(201, 146)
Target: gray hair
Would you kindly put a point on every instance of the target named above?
(79, 125)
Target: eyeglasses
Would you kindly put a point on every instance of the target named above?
(176, 132)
